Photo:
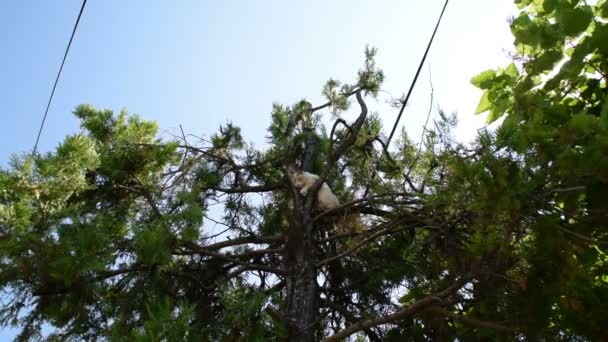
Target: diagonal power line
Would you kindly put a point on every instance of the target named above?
(409, 92)
(48, 105)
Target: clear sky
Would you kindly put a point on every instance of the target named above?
(202, 63)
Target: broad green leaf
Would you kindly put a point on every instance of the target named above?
(484, 79)
(484, 103)
(511, 70)
(494, 115)
(522, 3)
(604, 114)
(549, 5)
(603, 5)
(600, 37)
(574, 21)
(547, 61)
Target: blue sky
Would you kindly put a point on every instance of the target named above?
(202, 63)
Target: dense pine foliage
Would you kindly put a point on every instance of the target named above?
(119, 235)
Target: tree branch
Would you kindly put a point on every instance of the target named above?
(428, 115)
(197, 250)
(383, 231)
(340, 208)
(336, 154)
(327, 104)
(253, 267)
(241, 241)
(333, 130)
(408, 311)
(350, 319)
(471, 321)
(247, 188)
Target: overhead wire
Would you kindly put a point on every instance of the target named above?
(409, 93)
(65, 55)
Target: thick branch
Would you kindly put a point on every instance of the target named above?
(252, 267)
(241, 241)
(408, 311)
(333, 130)
(340, 209)
(350, 140)
(384, 231)
(245, 255)
(327, 104)
(336, 154)
(350, 319)
(235, 259)
(278, 317)
(371, 211)
(420, 305)
(102, 275)
(247, 188)
(471, 321)
(310, 152)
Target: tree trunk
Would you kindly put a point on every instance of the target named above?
(301, 283)
(301, 280)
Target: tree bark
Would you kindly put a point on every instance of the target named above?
(301, 283)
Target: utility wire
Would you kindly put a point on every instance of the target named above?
(407, 97)
(48, 105)
(409, 92)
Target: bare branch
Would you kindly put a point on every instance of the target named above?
(471, 321)
(247, 188)
(584, 237)
(327, 104)
(252, 267)
(384, 231)
(243, 240)
(350, 319)
(407, 311)
(278, 317)
(570, 189)
(336, 154)
(428, 115)
(341, 208)
(245, 255)
(333, 130)
(401, 314)
(236, 259)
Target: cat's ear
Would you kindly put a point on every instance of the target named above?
(292, 169)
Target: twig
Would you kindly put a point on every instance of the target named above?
(428, 115)
(407, 311)
(471, 321)
(388, 229)
(584, 237)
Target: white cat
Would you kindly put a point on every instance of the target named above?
(326, 199)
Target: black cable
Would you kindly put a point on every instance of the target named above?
(409, 92)
(407, 97)
(48, 105)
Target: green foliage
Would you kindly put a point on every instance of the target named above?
(553, 131)
(117, 234)
(244, 318)
(279, 123)
(229, 137)
(370, 77)
(497, 97)
(339, 102)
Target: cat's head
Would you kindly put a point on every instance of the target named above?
(298, 179)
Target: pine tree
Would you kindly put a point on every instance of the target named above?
(120, 235)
